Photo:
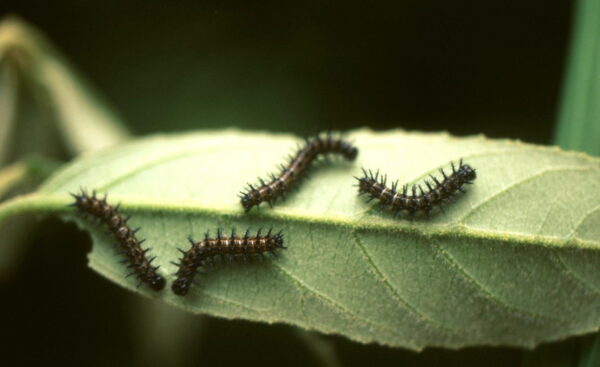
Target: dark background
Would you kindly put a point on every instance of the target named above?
(463, 66)
(467, 67)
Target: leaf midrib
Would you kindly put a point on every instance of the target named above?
(52, 203)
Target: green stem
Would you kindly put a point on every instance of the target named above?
(579, 116)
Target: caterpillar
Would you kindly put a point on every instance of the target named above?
(203, 252)
(436, 194)
(140, 265)
(297, 166)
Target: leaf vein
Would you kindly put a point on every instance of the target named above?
(568, 271)
(405, 305)
(331, 303)
(513, 185)
(452, 263)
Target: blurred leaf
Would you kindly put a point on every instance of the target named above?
(322, 349)
(12, 250)
(11, 175)
(33, 168)
(590, 356)
(562, 354)
(8, 104)
(165, 336)
(579, 120)
(19, 177)
(512, 262)
(82, 119)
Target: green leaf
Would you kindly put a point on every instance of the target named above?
(81, 117)
(515, 261)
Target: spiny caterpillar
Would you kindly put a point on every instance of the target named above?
(435, 196)
(135, 255)
(203, 252)
(295, 169)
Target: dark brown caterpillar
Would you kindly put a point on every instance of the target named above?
(203, 252)
(436, 194)
(295, 169)
(135, 255)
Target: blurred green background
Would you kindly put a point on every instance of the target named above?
(466, 67)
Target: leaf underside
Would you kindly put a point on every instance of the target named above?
(514, 261)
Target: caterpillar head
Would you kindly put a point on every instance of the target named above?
(181, 286)
(156, 282)
(467, 173)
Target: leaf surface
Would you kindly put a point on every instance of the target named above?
(514, 261)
